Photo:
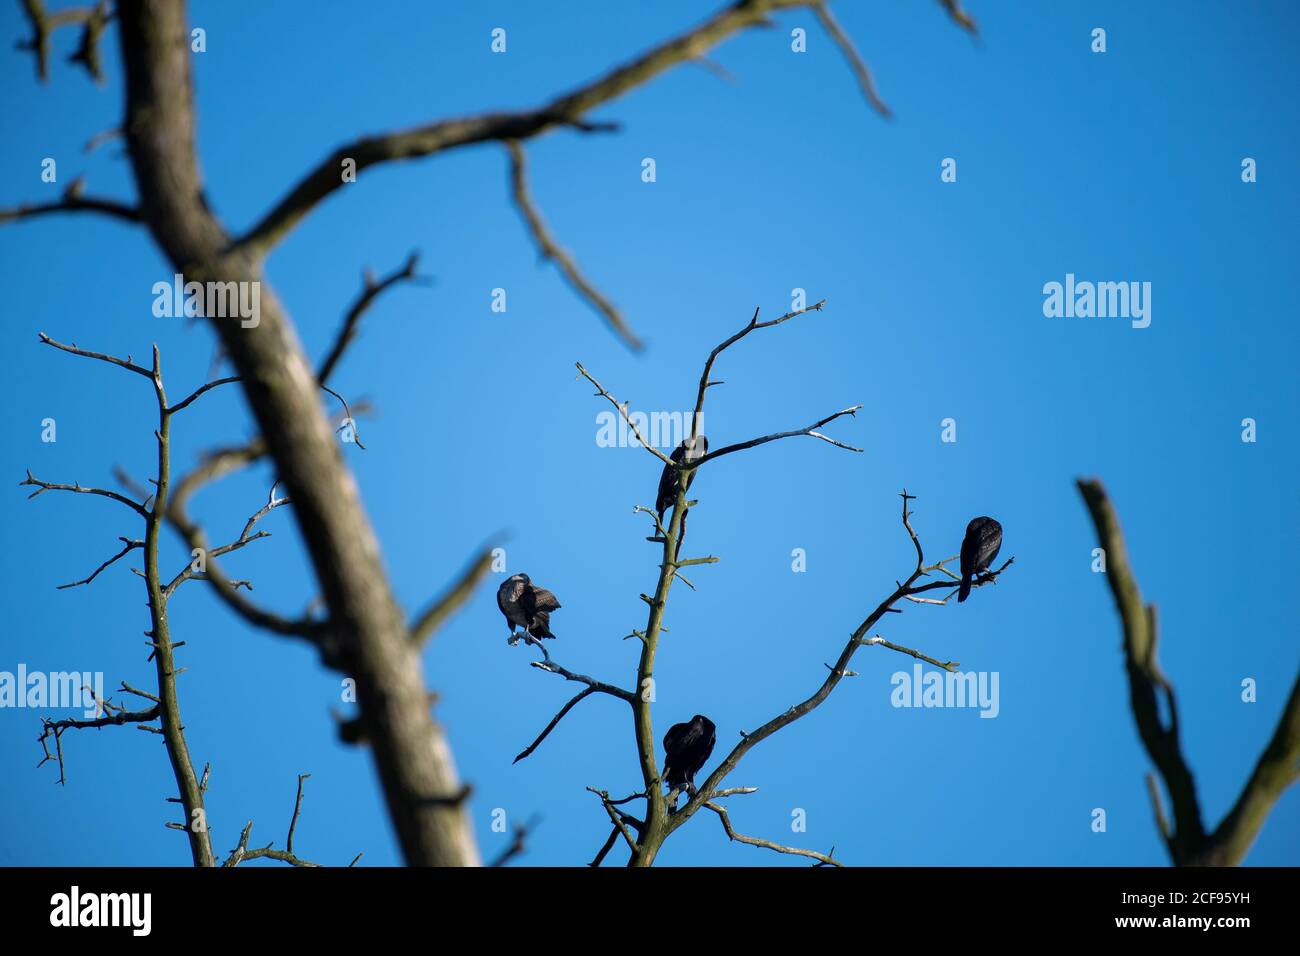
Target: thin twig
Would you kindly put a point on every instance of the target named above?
(371, 290)
(810, 431)
(518, 843)
(297, 808)
(622, 410)
(125, 363)
(129, 545)
(706, 383)
(721, 811)
(950, 666)
(199, 391)
(582, 694)
(552, 667)
(427, 622)
(550, 249)
(615, 817)
(859, 67)
(44, 486)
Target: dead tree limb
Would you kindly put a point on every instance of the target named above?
(166, 703)
(1188, 841)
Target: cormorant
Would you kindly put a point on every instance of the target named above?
(699, 447)
(526, 606)
(981, 545)
(686, 748)
(668, 480)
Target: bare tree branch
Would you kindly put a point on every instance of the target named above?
(568, 110)
(958, 14)
(721, 811)
(227, 591)
(129, 545)
(1146, 680)
(616, 818)
(950, 666)
(70, 203)
(371, 290)
(199, 391)
(518, 843)
(125, 363)
(297, 808)
(427, 622)
(622, 410)
(581, 695)
(349, 420)
(810, 431)
(55, 729)
(1279, 766)
(245, 538)
(706, 382)
(92, 20)
(44, 486)
(552, 667)
(164, 649)
(242, 853)
(859, 67)
(605, 847)
(167, 708)
(216, 464)
(224, 461)
(102, 137)
(550, 249)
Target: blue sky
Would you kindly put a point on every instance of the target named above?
(1118, 166)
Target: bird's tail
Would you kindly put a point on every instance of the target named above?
(541, 626)
(964, 591)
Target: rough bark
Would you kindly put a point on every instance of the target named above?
(368, 638)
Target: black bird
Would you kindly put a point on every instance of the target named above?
(981, 545)
(686, 748)
(526, 606)
(699, 447)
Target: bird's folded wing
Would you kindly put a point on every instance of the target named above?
(990, 538)
(674, 736)
(544, 600)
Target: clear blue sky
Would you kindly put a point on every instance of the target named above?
(1122, 166)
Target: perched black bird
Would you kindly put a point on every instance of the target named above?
(526, 606)
(699, 447)
(686, 747)
(981, 545)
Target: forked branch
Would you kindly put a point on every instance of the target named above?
(1188, 842)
